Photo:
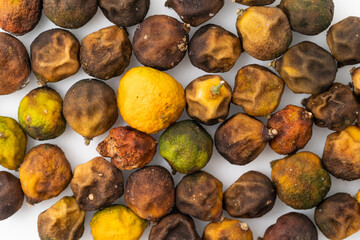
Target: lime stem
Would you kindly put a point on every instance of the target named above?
(87, 141)
(216, 89)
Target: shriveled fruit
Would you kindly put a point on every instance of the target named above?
(40, 114)
(355, 77)
(13, 141)
(306, 68)
(195, 12)
(229, 229)
(300, 180)
(54, 55)
(20, 16)
(11, 195)
(343, 39)
(90, 108)
(160, 41)
(309, 17)
(255, 2)
(250, 196)
(241, 138)
(117, 222)
(338, 216)
(335, 108)
(257, 90)
(15, 64)
(125, 13)
(45, 173)
(341, 156)
(186, 146)
(70, 13)
(128, 148)
(150, 192)
(294, 127)
(208, 99)
(150, 100)
(105, 53)
(200, 195)
(265, 31)
(174, 226)
(292, 225)
(96, 183)
(62, 221)
(214, 49)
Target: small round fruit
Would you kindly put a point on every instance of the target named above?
(40, 114)
(150, 192)
(105, 53)
(355, 77)
(300, 180)
(200, 195)
(186, 146)
(45, 173)
(20, 16)
(90, 108)
(70, 13)
(54, 55)
(150, 100)
(117, 222)
(63, 220)
(309, 17)
(13, 141)
(229, 229)
(265, 32)
(15, 64)
(160, 41)
(11, 195)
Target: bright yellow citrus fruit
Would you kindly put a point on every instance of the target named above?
(150, 100)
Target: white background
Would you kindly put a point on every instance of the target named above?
(23, 224)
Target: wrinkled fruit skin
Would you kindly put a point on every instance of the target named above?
(214, 49)
(62, 221)
(128, 148)
(300, 180)
(200, 195)
(294, 127)
(355, 77)
(241, 138)
(117, 222)
(11, 195)
(290, 226)
(40, 114)
(229, 229)
(335, 108)
(54, 55)
(174, 226)
(265, 32)
(255, 2)
(15, 64)
(20, 17)
(90, 107)
(202, 104)
(70, 13)
(125, 13)
(338, 216)
(250, 196)
(195, 12)
(341, 156)
(150, 192)
(45, 173)
(309, 17)
(13, 142)
(186, 146)
(306, 68)
(160, 42)
(96, 183)
(257, 90)
(343, 39)
(105, 53)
